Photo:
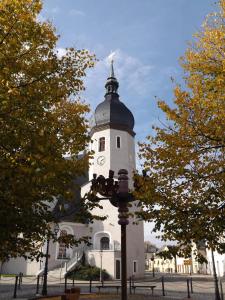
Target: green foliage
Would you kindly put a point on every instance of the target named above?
(201, 259)
(172, 252)
(88, 273)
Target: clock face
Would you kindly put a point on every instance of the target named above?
(101, 160)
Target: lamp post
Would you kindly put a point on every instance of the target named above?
(45, 274)
(153, 265)
(100, 265)
(118, 194)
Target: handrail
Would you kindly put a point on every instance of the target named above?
(77, 255)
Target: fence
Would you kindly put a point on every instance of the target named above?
(169, 286)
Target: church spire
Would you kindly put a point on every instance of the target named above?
(112, 112)
(112, 70)
(111, 83)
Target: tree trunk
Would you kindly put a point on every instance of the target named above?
(217, 293)
(175, 258)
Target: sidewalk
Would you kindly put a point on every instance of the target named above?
(175, 289)
(118, 297)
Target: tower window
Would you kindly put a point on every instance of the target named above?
(134, 266)
(118, 142)
(104, 243)
(101, 146)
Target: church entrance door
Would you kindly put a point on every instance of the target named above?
(118, 269)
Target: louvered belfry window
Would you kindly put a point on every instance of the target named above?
(101, 146)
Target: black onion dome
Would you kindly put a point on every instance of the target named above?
(112, 112)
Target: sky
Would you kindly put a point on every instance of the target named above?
(145, 39)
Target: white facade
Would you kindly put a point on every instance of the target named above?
(187, 265)
(114, 158)
(219, 263)
(117, 152)
(28, 267)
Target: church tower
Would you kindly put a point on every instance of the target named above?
(113, 143)
(114, 149)
(112, 133)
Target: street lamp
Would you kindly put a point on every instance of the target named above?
(153, 265)
(118, 194)
(101, 265)
(45, 274)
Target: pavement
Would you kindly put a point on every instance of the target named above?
(175, 288)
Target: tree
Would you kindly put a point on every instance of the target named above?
(41, 121)
(184, 181)
(171, 252)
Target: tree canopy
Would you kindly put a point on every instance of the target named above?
(183, 191)
(42, 120)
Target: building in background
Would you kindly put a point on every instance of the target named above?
(155, 262)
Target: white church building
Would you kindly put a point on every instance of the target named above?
(113, 143)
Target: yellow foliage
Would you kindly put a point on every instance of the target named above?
(186, 184)
(41, 121)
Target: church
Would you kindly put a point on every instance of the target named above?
(112, 140)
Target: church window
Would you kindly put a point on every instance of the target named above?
(104, 243)
(134, 266)
(118, 142)
(101, 146)
(62, 247)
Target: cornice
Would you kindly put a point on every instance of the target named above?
(111, 126)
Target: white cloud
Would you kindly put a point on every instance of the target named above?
(76, 12)
(60, 52)
(111, 57)
(131, 73)
(134, 74)
(139, 83)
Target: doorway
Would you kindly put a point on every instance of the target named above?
(118, 268)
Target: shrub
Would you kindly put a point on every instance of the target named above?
(88, 273)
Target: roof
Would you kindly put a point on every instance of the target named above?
(71, 211)
(112, 113)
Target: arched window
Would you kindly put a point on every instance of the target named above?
(104, 243)
(62, 247)
(101, 146)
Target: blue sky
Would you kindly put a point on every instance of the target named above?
(147, 37)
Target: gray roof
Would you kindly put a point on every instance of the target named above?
(112, 112)
(72, 210)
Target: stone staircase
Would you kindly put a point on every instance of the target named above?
(60, 270)
(57, 272)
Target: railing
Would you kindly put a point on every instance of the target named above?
(67, 262)
(112, 247)
(67, 257)
(117, 247)
(76, 257)
(51, 266)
